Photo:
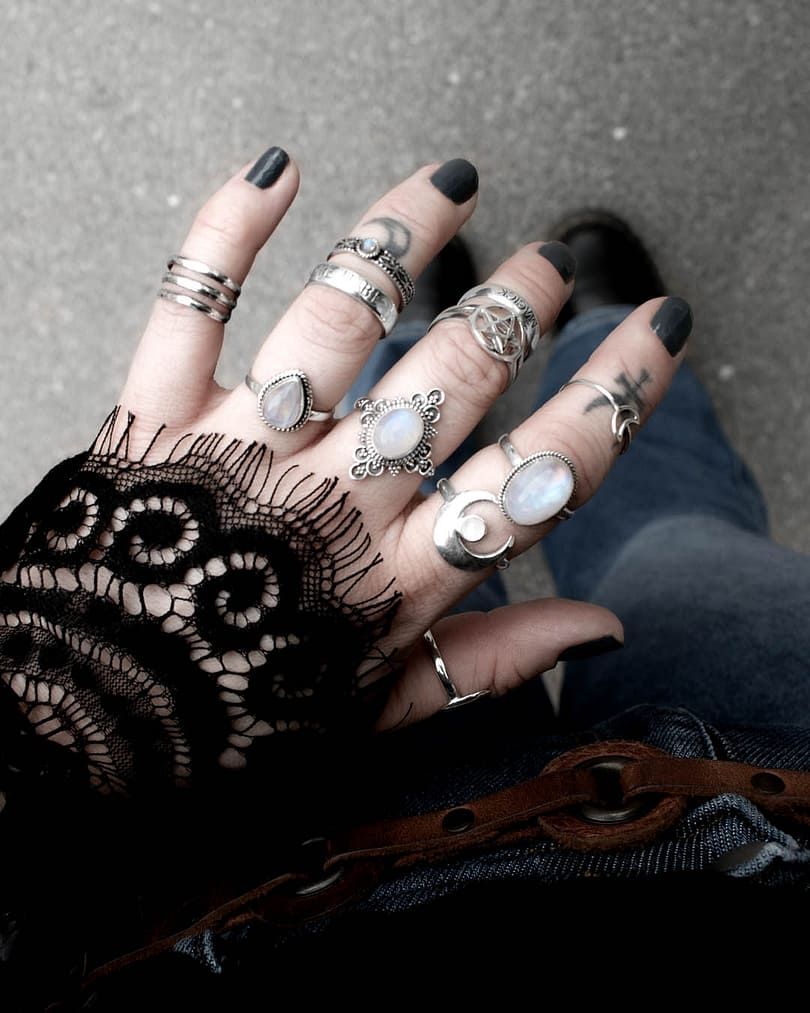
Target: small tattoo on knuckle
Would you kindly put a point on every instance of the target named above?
(398, 236)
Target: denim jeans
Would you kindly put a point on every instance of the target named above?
(714, 664)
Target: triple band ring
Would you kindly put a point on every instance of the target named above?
(501, 321)
(213, 293)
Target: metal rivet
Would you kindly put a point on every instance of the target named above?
(770, 784)
(458, 820)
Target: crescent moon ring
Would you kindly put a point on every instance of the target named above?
(448, 530)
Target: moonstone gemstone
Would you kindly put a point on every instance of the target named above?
(538, 491)
(283, 405)
(398, 433)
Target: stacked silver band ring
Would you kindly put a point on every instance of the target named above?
(624, 415)
(284, 402)
(454, 698)
(356, 286)
(213, 293)
(373, 251)
(501, 321)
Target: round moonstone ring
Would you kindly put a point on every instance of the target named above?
(284, 402)
(538, 487)
(396, 434)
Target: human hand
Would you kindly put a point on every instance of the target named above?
(249, 568)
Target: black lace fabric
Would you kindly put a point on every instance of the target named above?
(167, 622)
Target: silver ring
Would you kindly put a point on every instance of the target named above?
(454, 698)
(624, 415)
(453, 528)
(284, 402)
(370, 249)
(224, 295)
(539, 487)
(356, 286)
(396, 434)
(497, 329)
(511, 300)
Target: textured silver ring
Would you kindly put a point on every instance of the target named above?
(356, 286)
(222, 290)
(454, 698)
(496, 328)
(396, 434)
(624, 415)
(453, 528)
(284, 402)
(370, 249)
(539, 487)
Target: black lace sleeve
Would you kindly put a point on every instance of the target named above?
(169, 622)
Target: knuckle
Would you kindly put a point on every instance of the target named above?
(329, 319)
(463, 365)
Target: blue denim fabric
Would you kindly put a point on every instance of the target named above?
(714, 663)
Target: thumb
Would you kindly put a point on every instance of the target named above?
(497, 651)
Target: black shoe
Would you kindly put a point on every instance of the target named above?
(613, 265)
(446, 278)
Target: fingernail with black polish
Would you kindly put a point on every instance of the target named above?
(457, 179)
(268, 168)
(590, 649)
(561, 257)
(673, 323)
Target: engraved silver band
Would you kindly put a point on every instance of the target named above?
(454, 698)
(356, 286)
(221, 290)
(373, 251)
(624, 415)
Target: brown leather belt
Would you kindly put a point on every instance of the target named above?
(608, 795)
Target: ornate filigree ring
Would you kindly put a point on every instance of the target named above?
(373, 251)
(284, 402)
(396, 434)
(539, 487)
(361, 290)
(624, 415)
(215, 295)
(501, 321)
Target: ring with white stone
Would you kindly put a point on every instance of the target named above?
(396, 434)
(284, 402)
(361, 290)
(454, 698)
(453, 528)
(624, 415)
(538, 487)
(370, 249)
(217, 287)
(498, 329)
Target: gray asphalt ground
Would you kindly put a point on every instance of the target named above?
(688, 117)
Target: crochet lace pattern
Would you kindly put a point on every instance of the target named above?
(163, 620)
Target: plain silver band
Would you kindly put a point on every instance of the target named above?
(198, 267)
(195, 304)
(197, 286)
(453, 697)
(356, 286)
(386, 262)
(624, 415)
(255, 387)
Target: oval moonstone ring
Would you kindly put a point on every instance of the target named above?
(538, 487)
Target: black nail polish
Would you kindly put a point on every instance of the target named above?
(673, 323)
(561, 257)
(457, 179)
(590, 649)
(268, 168)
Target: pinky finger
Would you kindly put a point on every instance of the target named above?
(495, 652)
